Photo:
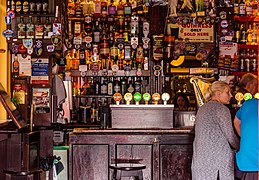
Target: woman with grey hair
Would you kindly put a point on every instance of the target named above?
(213, 157)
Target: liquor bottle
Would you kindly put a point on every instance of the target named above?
(112, 9)
(104, 86)
(30, 30)
(47, 29)
(93, 111)
(127, 8)
(236, 7)
(15, 67)
(254, 35)
(97, 86)
(77, 28)
(133, 60)
(243, 34)
(82, 56)
(38, 7)
(114, 53)
(123, 86)
(97, 9)
(120, 9)
(237, 33)
(39, 29)
(45, 6)
(242, 8)
(96, 32)
(78, 10)
(75, 61)
(104, 9)
(255, 7)
(18, 7)
(104, 45)
(110, 87)
(25, 7)
(138, 84)
(248, 8)
(32, 6)
(140, 54)
(74, 111)
(116, 85)
(21, 29)
(249, 34)
(71, 8)
(130, 87)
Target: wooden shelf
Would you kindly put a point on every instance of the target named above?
(246, 18)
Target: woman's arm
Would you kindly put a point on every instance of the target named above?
(237, 124)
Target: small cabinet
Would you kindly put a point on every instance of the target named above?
(166, 153)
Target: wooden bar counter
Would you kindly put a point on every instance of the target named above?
(166, 153)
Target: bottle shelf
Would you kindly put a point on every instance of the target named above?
(247, 46)
(238, 73)
(145, 73)
(246, 18)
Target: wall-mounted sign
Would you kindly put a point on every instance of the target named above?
(197, 33)
(40, 71)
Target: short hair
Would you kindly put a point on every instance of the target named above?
(248, 77)
(213, 88)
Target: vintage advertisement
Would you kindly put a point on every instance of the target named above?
(40, 71)
(196, 33)
(41, 100)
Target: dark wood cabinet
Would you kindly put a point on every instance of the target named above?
(166, 153)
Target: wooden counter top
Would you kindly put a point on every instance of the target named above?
(134, 131)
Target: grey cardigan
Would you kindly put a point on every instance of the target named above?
(214, 134)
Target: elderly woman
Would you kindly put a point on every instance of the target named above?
(213, 157)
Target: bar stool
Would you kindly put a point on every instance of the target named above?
(11, 174)
(127, 170)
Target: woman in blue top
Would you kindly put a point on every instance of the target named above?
(246, 124)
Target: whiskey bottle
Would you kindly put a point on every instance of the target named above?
(254, 35)
(112, 9)
(127, 8)
(93, 111)
(96, 32)
(15, 67)
(97, 9)
(30, 30)
(110, 87)
(104, 9)
(248, 8)
(249, 34)
(82, 56)
(32, 7)
(120, 9)
(242, 8)
(104, 86)
(243, 34)
(38, 7)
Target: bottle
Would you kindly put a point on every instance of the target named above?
(104, 86)
(13, 5)
(78, 10)
(96, 32)
(120, 9)
(77, 28)
(74, 111)
(243, 34)
(254, 35)
(236, 7)
(25, 7)
(71, 8)
(82, 56)
(30, 29)
(249, 34)
(123, 86)
(39, 29)
(114, 53)
(21, 33)
(110, 87)
(248, 8)
(93, 111)
(255, 8)
(237, 33)
(15, 67)
(112, 9)
(47, 29)
(138, 85)
(242, 8)
(127, 8)
(104, 9)
(97, 9)
(116, 86)
(97, 86)
(75, 61)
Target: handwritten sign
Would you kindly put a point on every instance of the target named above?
(197, 33)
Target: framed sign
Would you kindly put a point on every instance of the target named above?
(40, 71)
(197, 33)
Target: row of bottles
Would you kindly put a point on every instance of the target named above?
(248, 60)
(108, 85)
(23, 7)
(118, 39)
(103, 8)
(246, 7)
(246, 34)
